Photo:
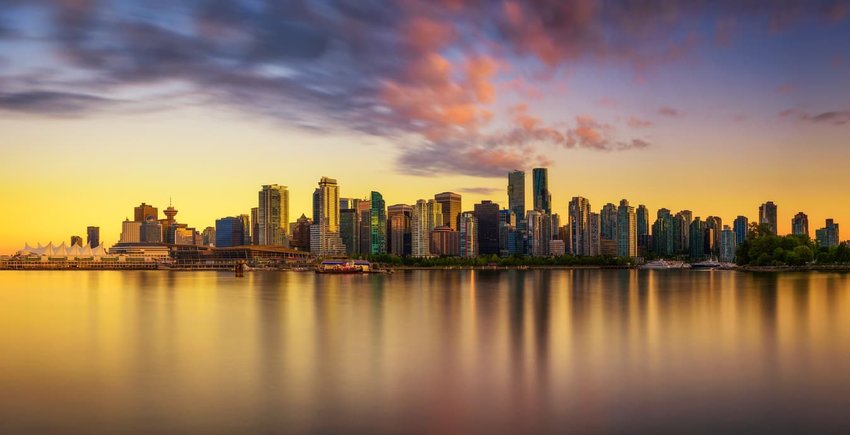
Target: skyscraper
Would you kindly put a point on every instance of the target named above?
(608, 222)
(714, 225)
(301, 233)
(642, 216)
(246, 229)
(626, 230)
(399, 226)
(579, 211)
(364, 217)
(516, 193)
(255, 225)
(727, 244)
(427, 215)
(93, 236)
(378, 224)
(468, 235)
(487, 217)
(349, 230)
(76, 240)
(445, 241)
(538, 246)
(767, 215)
(594, 236)
(144, 211)
(273, 214)
(131, 232)
(229, 232)
(828, 237)
(697, 247)
(540, 184)
(450, 203)
(324, 233)
(664, 234)
(151, 231)
(741, 227)
(800, 225)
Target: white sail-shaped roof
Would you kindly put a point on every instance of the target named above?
(63, 251)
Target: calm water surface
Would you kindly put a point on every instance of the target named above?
(424, 352)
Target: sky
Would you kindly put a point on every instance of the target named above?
(710, 106)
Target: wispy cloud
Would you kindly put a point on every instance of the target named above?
(838, 117)
(670, 112)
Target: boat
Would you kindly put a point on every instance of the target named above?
(707, 264)
(343, 267)
(664, 264)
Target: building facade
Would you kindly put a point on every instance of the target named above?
(542, 198)
(800, 225)
(273, 215)
(516, 193)
(767, 215)
(451, 205)
(487, 218)
(626, 230)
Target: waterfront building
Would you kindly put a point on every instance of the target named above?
(208, 236)
(594, 236)
(800, 225)
(556, 223)
(682, 227)
(697, 234)
(579, 214)
(93, 236)
(151, 231)
(445, 242)
(487, 218)
(131, 232)
(642, 216)
(608, 222)
(255, 226)
(246, 229)
(400, 229)
(542, 198)
(168, 224)
(715, 225)
(229, 232)
(364, 213)
(450, 204)
(557, 248)
(301, 233)
(145, 211)
(76, 240)
(728, 244)
(626, 230)
(741, 227)
(767, 215)
(349, 230)
(378, 224)
(516, 193)
(273, 215)
(664, 234)
(324, 233)
(828, 237)
(507, 230)
(427, 215)
(468, 235)
(538, 246)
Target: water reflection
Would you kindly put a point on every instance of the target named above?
(424, 352)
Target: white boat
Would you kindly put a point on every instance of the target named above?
(664, 264)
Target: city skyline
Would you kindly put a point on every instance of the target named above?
(711, 107)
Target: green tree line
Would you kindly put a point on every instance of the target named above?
(763, 248)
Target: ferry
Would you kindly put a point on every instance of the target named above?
(344, 266)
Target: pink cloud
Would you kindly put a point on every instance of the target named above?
(670, 111)
(635, 122)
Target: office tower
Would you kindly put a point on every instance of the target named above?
(378, 224)
(828, 237)
(93, 236)
(246, 229)
(450, 203)
(697, 234)
(130, 232)
(715, 225)
(557, 248)
(579, 211)
(151, 231)
(800, 225)
(345, 203)
(168, 224)
(364, 216)
(626, 230)
(445, 242)
(324, 233)
(537, 245)
(683, 222)
(516, 193)
(507, 233)
(608, 222)
(255, 226)
(642, 216)
(427, 215)
(564, 234)
(273, 214)
(767, 215)
(487, 216)
(76, 240)
(229, 232)
(399, 229)
(741, 227)
(542, 196)
(556, 223)
(349, 231)
(664, 234)
(301, 233)
(183, 235)
(468, 240)
(594, 238)
(145, 211)
(727, 244)
(208, 236)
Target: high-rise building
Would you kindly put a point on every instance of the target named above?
(246, 229)
(255, 226)
(364, 213)
(608, 222)
(399, 229)
(516, 193)
(76, 240)
(767, 215)
(538, 245)
(642, 216)
(445, 242)
(741, 227)
(349, 230)
(468, 235)
(594, 237)
(301, 233)
(540, 184)
(324, 233)
(682, 225)
(664, 234)
(273, 215)
(378, 226)
(450, 203)
(145, 211)
(800, 225)
(727, 244)
(208, 236)
(131, 232)
(93, 236)
(714, 225)
(487, 217)
(697, 247)
(151, 231)
(579, 211)
(507, 233)
(168, 224)
(626, 230)
(229, 232)
(828, 237)
(426, 216)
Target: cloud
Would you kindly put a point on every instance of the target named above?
(671, 112)
(478, 190)
(840, 117)
(635, 122)
(52, 103)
